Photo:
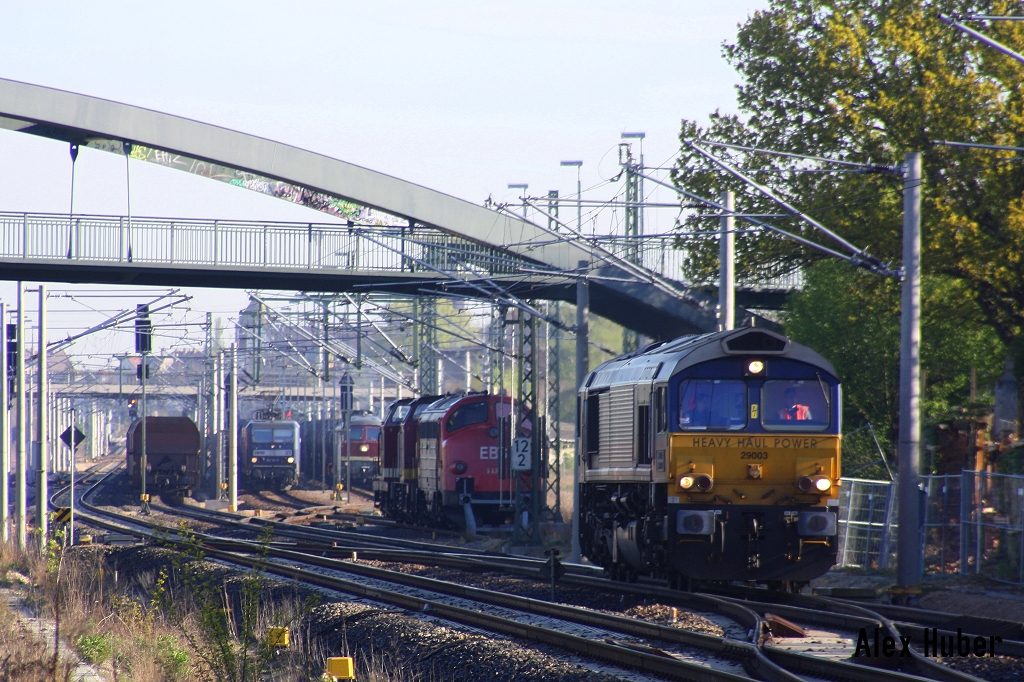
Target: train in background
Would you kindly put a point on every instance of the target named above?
(172, 456)
(327, 436)
(364, 436)
(444, 457)
(269, 454)
(712, 457)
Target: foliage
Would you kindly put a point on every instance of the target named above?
(867, 81)
(225, 629)
(94, 649)
(852, 318)
(173, 658)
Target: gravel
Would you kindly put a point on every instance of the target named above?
(412, 642)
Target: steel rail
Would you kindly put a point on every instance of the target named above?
(632, 656)
(755, 659)
(733, 608)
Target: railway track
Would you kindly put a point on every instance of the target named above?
(624, 641)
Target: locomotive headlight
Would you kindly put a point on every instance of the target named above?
(686, 482)
(822, 484)
(254, 460)
(291, 460)
(755, 367)
(459, 468)
(364, 448)
(704, 483)
(805, 484)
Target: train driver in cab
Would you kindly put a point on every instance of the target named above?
(697, 414)
(795, 411)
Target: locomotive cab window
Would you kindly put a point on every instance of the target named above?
(282, 435)
(473, 413)
(716, 404)
(262, 435)
(790, 405)
(355, 433)
(372, 432)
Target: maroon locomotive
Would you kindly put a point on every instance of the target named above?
(172, 456)
(442, 455)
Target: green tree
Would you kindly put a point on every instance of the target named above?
(852, 318)
(866, 81)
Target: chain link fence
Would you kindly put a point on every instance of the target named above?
(972, 522)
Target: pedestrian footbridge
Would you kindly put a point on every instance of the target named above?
(385, 234)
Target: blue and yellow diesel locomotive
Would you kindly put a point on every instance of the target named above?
(712, 457)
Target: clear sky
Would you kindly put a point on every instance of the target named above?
(460, 96)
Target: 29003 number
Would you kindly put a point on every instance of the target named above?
(753, 455)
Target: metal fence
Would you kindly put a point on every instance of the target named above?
(662, 255)
(867, 523)
(215, 243)
(992, 526)
(972, 522)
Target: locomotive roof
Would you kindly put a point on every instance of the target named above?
(664, 359)
(437, 410)
(270, 422)
(363, 419)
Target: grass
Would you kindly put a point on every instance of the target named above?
(118, 621)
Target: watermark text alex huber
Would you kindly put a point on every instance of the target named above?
(878, 644)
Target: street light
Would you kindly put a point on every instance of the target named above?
(523, 186)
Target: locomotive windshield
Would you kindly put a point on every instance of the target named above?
(712, 404)
(790, 405)
(473, 413)
(372, 432)
(272, 435)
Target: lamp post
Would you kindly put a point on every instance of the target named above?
(582, 359)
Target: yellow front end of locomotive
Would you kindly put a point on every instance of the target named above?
(753, 469)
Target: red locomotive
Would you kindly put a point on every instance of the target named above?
(439, 455)
(364, 435)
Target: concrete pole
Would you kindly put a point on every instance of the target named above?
(5, 433)
(582, 369)
(42, 484)
(22, 449)
(233, 434)
(726, 277)
(218, 424)
(908, 541)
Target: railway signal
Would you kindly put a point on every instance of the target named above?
(143, 346)
(552, 569)
(12, 358)
(143, 330)
(72, 437)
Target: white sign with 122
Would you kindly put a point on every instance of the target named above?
(522, 458)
